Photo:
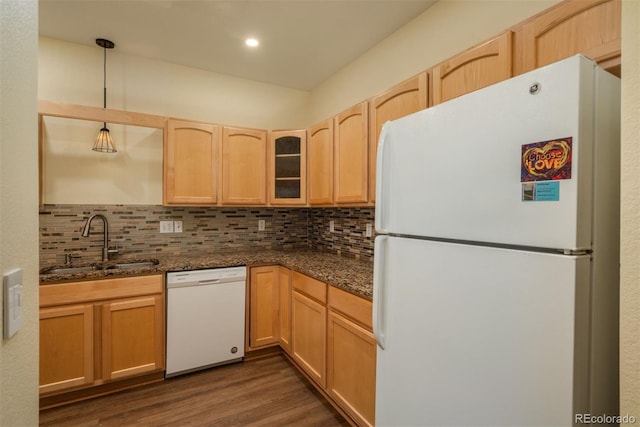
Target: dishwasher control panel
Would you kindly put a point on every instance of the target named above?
(209, 275)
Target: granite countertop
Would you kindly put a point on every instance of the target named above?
(354, 276)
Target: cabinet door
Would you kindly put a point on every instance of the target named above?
(351, 368)
(66, 347)
(589, 27)
(284, 282)
(191, 163)
(308, 339)
(320, 163)
(351, 155)
(132, 336)
(401, 100)
(288, 167)
(244, 166)
(473, 69)
(264, 306)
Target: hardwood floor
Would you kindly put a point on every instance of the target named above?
(264, 392)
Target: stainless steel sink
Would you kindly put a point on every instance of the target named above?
(70, 269)
(135, 264)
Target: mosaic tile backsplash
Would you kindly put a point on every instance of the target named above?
(134, 229)
(349, 235)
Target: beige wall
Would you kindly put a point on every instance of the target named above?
(448, 27)
(19, 204)
(71, 73)
(630, 224)
(75, 174)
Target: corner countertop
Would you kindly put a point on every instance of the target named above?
(352, 275)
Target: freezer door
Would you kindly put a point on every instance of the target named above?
(479, 336)
(454, 170)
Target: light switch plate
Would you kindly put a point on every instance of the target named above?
(177, 226)
(261, 225)
(332, 226)
(12, 310)
(166, 226)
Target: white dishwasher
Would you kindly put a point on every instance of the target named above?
(205, 318)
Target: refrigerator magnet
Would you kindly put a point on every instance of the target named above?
(528, 191)
(546, 160)
(543, 191)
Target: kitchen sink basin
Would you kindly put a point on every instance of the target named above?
(69, 269)
(111, 265)
(134, 264)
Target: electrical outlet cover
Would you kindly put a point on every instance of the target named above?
(368, 230)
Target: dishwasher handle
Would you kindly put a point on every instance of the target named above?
(206, 277)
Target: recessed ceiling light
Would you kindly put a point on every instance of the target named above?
(251, 42)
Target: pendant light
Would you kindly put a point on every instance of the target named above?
(104, 142)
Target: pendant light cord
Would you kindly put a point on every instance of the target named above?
(104, 82)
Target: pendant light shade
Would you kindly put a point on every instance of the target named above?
(104, 143)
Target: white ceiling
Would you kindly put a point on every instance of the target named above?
(303, 42)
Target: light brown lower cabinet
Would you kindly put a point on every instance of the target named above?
(66, 347)
(132, 337)
(269, 307)
(326, 331)
(309, 335)
(351, 367)
(98, 331)
(264, 306)
(284, 279)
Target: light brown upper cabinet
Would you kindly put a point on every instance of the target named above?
(399, 101)
(244, 166)
(351, 155)
(191, 163)
(288, 167)
(473, 69)
(589, 27)
(320, 163)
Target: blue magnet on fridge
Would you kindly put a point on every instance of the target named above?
(548, 191)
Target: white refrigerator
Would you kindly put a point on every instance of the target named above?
(496, 264)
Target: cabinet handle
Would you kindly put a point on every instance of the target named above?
(380, 291)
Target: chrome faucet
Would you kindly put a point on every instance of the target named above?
(105, 247)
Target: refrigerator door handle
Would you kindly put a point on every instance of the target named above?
(381, 182)
(379, 292)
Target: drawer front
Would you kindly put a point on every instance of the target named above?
(101, 289)
(355, 307)
(310, 286)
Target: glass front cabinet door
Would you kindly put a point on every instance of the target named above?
(287, 169)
